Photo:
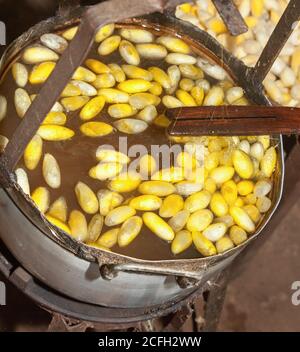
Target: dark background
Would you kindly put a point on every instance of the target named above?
(259, 299)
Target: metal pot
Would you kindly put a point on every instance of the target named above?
(72, 267)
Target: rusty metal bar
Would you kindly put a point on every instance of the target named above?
(276, 42)
(179, 319)
(215, 301)
(231, 17)
(94, 17)
(49, 93)
(60, 323)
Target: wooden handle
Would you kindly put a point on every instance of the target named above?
(234, 120)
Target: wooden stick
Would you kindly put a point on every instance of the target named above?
(234, 120)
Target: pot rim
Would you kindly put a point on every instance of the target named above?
(214, 51)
